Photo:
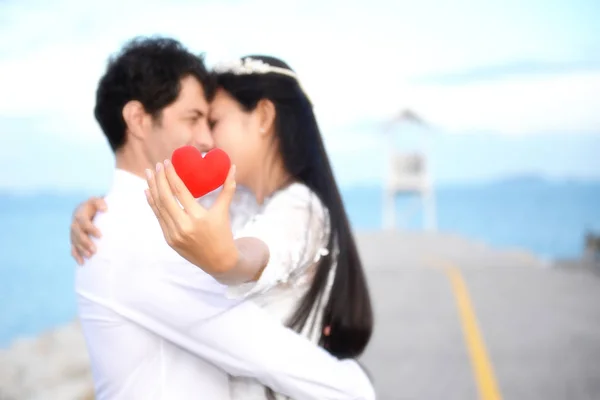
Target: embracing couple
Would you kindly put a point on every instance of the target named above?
(254, 291)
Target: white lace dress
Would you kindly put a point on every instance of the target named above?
(295, 226)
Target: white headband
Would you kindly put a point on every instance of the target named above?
(248, 66)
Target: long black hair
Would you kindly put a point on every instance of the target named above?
(348, 312)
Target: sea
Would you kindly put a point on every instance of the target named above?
(547, 218)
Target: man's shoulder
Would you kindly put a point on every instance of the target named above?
(128, 228)
(125, 209)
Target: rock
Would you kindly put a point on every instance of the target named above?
(52, 366)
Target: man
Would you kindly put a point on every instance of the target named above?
(156, 326)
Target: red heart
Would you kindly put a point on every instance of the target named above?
(201, 175)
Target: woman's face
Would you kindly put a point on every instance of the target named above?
(236, 132)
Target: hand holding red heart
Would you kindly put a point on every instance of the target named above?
(201, 175)
(202, 236)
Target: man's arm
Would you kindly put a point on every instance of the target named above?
(185, 306)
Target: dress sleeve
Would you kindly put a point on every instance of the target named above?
(295, 226)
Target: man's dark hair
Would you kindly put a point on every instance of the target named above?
(148, 70)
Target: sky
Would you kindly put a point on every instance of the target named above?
(507, 87)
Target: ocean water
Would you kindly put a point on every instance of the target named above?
(36, 270)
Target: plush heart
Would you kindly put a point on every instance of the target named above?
(201, 175)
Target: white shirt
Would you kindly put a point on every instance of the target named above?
(158, 327)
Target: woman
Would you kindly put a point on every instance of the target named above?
(311, 275)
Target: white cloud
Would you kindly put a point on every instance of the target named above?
(519, 105)
(354, 61)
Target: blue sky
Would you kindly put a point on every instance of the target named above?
(508, 86)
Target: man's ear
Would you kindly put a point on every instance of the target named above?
(266, 114)
(136, 118)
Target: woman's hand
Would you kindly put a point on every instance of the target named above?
(202, 236)
(82, 228)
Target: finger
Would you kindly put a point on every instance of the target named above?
(72, 231)
(163, 217)
(81, 241)
(181, 192)
(88, 208)
(82, 251)
(76, 256)
(84, 215)
(167, 199)
(100, 204)
(94, 231)
(163, 225)
(226, 196)
(87, 227)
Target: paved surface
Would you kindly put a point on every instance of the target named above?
(518, 329)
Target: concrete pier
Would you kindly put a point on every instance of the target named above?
(458, 319)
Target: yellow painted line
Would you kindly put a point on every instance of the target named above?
(480, 362)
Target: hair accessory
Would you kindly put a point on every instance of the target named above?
(249, 66)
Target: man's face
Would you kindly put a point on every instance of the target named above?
(184, 122)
